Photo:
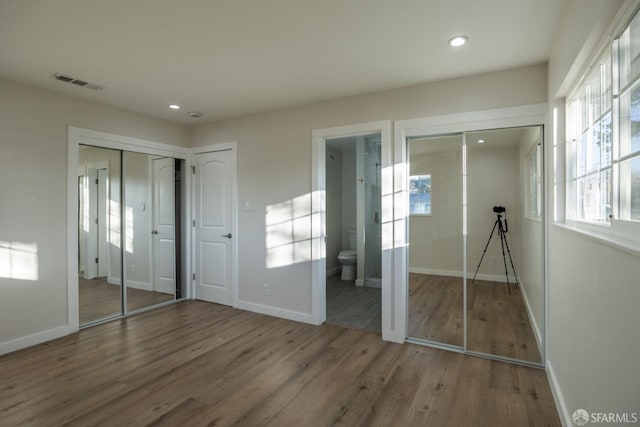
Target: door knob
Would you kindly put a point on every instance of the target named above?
(228, 235)
(154, 232)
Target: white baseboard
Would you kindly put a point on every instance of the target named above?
(296, 316)
(33, 339)
(144, 286)
(334, 270)
(563, 413)
(455, 273)
(532, 320)
(113, 280)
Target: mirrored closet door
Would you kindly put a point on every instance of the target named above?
(436, 243)
(476, 242)
(129, 223)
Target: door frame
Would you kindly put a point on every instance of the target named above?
(319, 221)
(79, 136)
(224, 146)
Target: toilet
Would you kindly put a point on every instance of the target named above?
(349, 257)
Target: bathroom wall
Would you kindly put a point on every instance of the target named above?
(349, 204)
(334, 209)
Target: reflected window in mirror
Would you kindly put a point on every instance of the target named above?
(420, 195)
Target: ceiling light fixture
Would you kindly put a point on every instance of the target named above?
(458, 41)
(481, 141)
(174, 106)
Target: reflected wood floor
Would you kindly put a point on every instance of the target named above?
(498, 323)
(353, 306)
(196, 364)
(100, 299)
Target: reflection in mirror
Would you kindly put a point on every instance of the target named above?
(436, 240)
(99, 237)
(149, 229)
(504, 249)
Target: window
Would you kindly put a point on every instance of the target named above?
(589, 147)
(420, 195)
(603, 138)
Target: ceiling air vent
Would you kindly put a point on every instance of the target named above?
(68, 79)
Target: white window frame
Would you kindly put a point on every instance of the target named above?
(614, 231)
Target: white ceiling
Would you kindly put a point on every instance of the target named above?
(227, 58)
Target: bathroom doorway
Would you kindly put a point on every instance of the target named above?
(354, 231)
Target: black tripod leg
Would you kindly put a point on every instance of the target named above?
(485, 249)
(504, 258)
(511, 259)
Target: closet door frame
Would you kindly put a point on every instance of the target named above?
(521, 116)
(79, 136)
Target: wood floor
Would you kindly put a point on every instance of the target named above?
(198, 364)
(353, 306)
(100, 299)
(497, 322)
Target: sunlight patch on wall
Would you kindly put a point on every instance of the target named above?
(85, 216)
(19, 260)
(288, 232)
(114, 223)
(128, 229)
(387, 207)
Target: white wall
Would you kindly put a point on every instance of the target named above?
(492, 180)
(274, 152)
(531, 244)
(435, 241)
(33, 185)
(593, 314)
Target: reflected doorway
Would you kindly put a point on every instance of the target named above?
(129, 214)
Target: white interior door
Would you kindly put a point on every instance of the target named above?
(103, 218)
(214, 242)
(164, 279)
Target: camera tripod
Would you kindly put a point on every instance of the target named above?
(503, 242)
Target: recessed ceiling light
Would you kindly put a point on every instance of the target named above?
(481, 141)
(458, 41)
(174, 106)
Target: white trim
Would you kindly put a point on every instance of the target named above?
(37, 338)
(73, 302)
(75, 137)
(114, 280)
(593, 232)
(283, 313)
(334, 270)
(144, 286)
(318, 209)
(126, 143)
(558, 396)
(456, 273)
(532, 319)
(223, 146)
(526, 115)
